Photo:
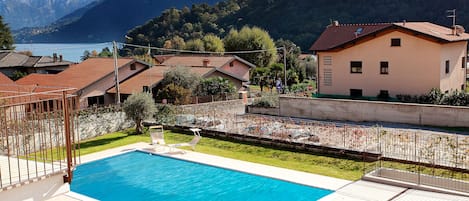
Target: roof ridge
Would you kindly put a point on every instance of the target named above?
(367, 24)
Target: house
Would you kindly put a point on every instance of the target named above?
(232, 68)
(12, 62)
(390, 59)
(90, 79)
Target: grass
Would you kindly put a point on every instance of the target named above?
(323, 165)
(317, 164)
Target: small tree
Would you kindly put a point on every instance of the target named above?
(215, 86)
(138, 107)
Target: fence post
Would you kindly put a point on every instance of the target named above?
(379, 139)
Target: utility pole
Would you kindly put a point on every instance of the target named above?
(116, 74)
(285, 67)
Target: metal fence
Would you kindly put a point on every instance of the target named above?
(426, 152)
(37, 133)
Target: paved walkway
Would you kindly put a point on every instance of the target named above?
(344, 189)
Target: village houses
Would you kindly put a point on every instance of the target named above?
(388, 59)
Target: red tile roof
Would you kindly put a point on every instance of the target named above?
(76, 76)
(335, 36)
(198, 60)
(5, 80)
(339, 35)
(149, 77)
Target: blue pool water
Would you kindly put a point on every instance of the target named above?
(141, 176)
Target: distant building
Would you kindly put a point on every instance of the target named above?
(90, 79)
(390, 58)
(232, 68)
(13, 61)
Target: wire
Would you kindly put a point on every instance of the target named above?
(200, 52)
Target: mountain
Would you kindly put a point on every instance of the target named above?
(31, 13)
(302, 21)
(106, 21)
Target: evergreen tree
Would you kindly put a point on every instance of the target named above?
(6, 39)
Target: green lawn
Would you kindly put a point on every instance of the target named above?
(324, 165)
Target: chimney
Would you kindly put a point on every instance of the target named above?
(60, 58)
(54, 57)
(206, 62)
(335, 23)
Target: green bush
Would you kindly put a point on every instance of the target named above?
(266, 101)
(435, 96)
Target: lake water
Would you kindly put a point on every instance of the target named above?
(70, 51)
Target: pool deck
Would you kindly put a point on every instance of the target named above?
(344, 189)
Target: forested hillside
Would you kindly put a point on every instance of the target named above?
(300, 21)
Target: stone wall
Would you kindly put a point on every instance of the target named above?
(231, 106)
(374, 111)
(95, 124)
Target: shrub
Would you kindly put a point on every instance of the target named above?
(266, 101)
(435, 96)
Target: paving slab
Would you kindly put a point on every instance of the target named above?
(412, 195)
(366, 191)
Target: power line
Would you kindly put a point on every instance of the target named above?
(199, 52)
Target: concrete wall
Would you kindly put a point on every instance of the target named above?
(353, 110)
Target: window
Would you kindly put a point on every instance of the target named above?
(355, 67)
(462, 87)
(447, 66)
(395, 42)
(383, 94)
(146, 89)
(463, 62)
(96, 100)
(133, 67)
(384, 67)
(327, 60)
(327, 77)
(231, 64)
(354, 93)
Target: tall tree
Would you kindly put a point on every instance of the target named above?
(213, 43)
(252, 39)
(6, 39)
(292, 57)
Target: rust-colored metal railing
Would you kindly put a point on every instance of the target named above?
(37, 134)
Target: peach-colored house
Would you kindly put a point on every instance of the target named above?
(390, 58)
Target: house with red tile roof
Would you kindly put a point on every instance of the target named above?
(90, 79)
(232, 68)
(390, 59)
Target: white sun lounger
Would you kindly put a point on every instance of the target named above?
(192, 143)
(156, 134)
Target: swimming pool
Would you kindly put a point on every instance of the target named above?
(142, 176)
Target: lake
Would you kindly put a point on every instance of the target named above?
(70, 51)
